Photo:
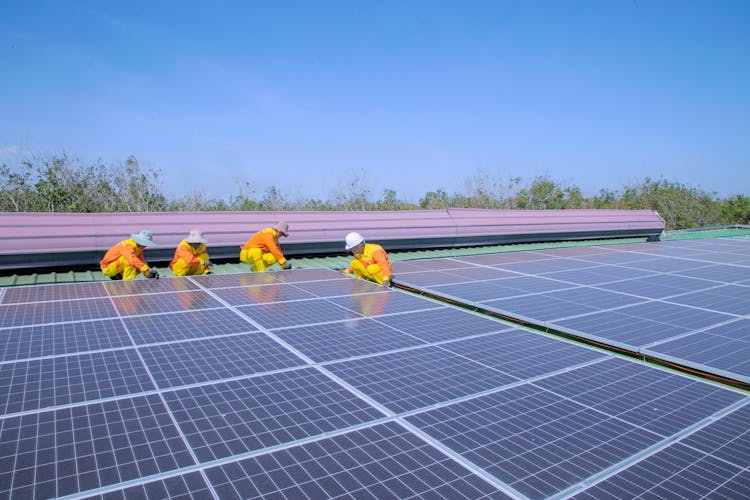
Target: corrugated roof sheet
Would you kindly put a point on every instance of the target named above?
(40, 239)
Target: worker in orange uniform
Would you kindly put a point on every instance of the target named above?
(191, 257)
(370, 260)
(263, 250)
(125, 260)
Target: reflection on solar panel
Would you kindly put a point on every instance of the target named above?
(665, 299)
(307, 383)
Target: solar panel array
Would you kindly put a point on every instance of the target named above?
(686, 302)
(307, 383)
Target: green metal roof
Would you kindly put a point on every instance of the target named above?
(341, 261)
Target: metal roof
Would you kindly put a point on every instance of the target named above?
(68, 239)
(340, 261)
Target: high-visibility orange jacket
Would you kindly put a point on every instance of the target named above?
(374, 254)
(128, 249)
(268, 241)
(187, 253)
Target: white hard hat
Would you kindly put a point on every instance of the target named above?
(353, 239)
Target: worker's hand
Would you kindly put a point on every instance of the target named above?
(208, 263)
(386, 283)
(286, 265)
(153, 274)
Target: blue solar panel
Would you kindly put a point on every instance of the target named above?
(341, 340)
(723, 349)
(219, 386)
(454, 324)
(133, 305)
(52, 292)
(71, 450)
(384, 461)
(544, 437)
(379, 303)
(408, 380)
(522, 354)
(186, 486)
(297, 312)
(62, 338)
(235, 417)
(39, 383)
(730, 299)
(261, 294)
(676, 472)
(40, 313)
(184, 363)
(185, 325)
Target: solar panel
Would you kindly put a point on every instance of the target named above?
(218, 387)
(633, 296)
(712, 462)
(544, 437)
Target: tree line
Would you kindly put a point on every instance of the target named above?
(59, 183)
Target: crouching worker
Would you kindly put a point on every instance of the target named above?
(263, 249)
(370, 260)
(125, 260)
(191, 257)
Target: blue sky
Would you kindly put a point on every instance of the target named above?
(407, 95)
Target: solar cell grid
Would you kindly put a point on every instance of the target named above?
(229, 418)
(383, 461)
(534, 440)
(597, 275)
(658, 286)
(522, 354)
(667, 265)
(186, 486)
(234, 280)
(730, 299)
(498, 259)
(71, 450)
(30, 385)
(133, 305)
(720, 273)
(440, 264)
(302, 275)
(185, 325)
(376, 304)
(140, 287)
(476, 291)
(480, 273)
(442, 324)
(295, 313)
(640, 395)
(620, 330)
(41, 293)
(182, 363)
(62, 338)
(537, 307)
(344, 286)
(40, 313)
(356, 337)
(727, 438)
(274, 292)
(428, 278)
(409, 380)
(546, 266)
(725, 347)
(675, 472)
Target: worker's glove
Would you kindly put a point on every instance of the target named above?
(153, 274)
(386, 283)
(287, 265)
(208, 263)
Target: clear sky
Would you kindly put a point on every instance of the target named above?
(409, 95)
